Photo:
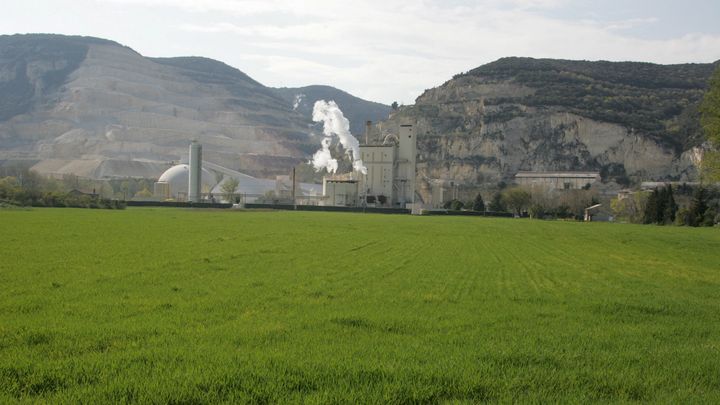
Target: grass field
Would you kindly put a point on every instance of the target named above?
(191, 306)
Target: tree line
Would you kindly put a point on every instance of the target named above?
(535, 202)
(27, 188)
(659, 206)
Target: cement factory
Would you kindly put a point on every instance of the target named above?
(390, 178)
(202, 181)
(389, 181)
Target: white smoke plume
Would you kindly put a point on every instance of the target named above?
(335, 124)
(298, 100)
(323, 159)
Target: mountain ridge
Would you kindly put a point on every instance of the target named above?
(72, 97)
(628, 120)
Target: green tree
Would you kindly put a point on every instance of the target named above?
(671, 206)
(9, 186)
(698, 207)
(710, 120)
(651, 208)
(125, 188)
(516, 199)
(144, 193)
(630, 208)
(478, 204)
(497, 204)
(454, 205)
(229, 187)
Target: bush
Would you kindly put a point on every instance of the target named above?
(683, 217)
(454, 205)
(536, 211)
(709, 217)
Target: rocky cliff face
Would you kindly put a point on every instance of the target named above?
(485, 126)
(86, 98)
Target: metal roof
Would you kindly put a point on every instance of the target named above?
(558, 174)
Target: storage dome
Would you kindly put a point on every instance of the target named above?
(177, 178)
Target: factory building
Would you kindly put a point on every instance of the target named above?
(340, 191)
(557, 180)
(390, 179)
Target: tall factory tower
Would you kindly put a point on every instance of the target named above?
(195, 177)
(406, 167)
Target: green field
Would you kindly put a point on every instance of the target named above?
(195, 306)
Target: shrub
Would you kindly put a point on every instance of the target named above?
(536, 211)
(455, 205)
(683, 217)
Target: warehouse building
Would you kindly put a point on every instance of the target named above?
(557, 180)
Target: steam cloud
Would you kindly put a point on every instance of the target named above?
(298, 100)
(335, 124)
(323, 159)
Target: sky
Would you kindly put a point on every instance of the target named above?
(382, 50)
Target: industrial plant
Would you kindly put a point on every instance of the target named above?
(389, 179)
(202, 181)
(386, 181)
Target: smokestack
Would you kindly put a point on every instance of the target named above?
(195, 177)
(368, 126)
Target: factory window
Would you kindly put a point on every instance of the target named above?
(567, 186)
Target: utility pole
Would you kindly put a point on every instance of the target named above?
(293, 190)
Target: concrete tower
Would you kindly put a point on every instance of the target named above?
(406, 158)
(195, 177)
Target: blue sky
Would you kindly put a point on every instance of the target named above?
(382, 50)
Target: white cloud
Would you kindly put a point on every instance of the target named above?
(389, 50)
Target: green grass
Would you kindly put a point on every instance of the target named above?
(191, 306)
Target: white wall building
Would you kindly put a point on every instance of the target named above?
(391, 170)
(557, 180)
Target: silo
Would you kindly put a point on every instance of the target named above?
(195, 177)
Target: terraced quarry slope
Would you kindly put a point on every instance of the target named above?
(171, 305)
(83, 98)
(103, 100)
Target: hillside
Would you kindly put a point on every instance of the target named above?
(636, 120)
(79, 98)
(658, 100)
(356, 110)
(88, 99)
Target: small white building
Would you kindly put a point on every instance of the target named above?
(340, 191)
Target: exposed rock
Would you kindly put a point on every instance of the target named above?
(483, 127)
